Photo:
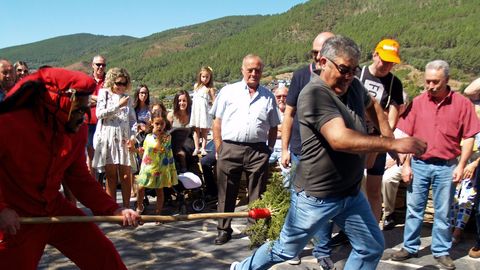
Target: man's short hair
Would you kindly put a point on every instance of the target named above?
(439, 64)
(340, 46)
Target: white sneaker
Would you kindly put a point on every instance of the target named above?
(233, 265)
(294, 261)
(203, 152)
(195, 152)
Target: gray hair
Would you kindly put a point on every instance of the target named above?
(439, 65)
(340, 46)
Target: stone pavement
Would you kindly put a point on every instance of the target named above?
(189, 246)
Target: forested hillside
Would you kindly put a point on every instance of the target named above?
(426, 30)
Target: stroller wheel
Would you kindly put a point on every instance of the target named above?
(198, 205)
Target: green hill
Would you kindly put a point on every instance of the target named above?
(426, 30)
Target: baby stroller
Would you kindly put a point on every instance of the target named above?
(190, 189)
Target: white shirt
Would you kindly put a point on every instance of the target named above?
(244, 118)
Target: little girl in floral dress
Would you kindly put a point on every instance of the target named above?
(158, 167)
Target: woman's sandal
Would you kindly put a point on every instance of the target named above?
(157, 213)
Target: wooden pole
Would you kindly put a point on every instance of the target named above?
(119, 219)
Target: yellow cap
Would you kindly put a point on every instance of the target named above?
(388, 50)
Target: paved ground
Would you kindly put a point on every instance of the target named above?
(189, 246)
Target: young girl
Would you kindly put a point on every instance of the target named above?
(203, 97)
(158, 167)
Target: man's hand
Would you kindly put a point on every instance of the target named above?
(470, 170)
(410, 145)
(407, 174)
(458, 173)
(130, 217)
(285, 160)
(9, 221)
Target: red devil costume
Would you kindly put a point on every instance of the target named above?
(36, 155)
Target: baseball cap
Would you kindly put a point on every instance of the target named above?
(388, 50)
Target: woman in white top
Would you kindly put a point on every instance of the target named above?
(112, 139)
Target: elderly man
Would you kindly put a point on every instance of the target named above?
(327, 185)
(280, 93)
(7, 77)
(46, 145)
(244, 133)
(99, 64)
(444, 118)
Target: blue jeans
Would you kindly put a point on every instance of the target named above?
(439, 176)
(309, 214)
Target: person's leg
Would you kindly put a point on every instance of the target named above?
(24, 250)
(417, 196)
(111, 174)
(390, 182)
(204, 132)
(208, 162)
(374, 185)
(256, 170)
(160, 199)
(305, 216)
(361, 227)
(126, 184)
(84, 243)
(140, 196)
(229, 172)
(196, 135)
(90, 150)
(443, 191)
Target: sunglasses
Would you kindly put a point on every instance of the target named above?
(121, 83)
(100, 65)
(344, 70)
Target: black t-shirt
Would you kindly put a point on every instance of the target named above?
(323, 172)
(386, 90)
(300, 78)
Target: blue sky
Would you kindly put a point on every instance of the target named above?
(26, 21)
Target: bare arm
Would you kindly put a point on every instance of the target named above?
(393, 113)
(473, 89)
(467, 149)
(343, 139)
(211, 92)
(287, 133)
(272, 136)
(170, 117)
(217, 133)
(376, 114)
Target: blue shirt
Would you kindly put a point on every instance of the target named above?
(244, 118)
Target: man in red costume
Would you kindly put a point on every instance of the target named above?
(43, 143)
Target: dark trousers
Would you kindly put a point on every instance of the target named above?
(234, 159)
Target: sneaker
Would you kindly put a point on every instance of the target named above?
(203, 152)
(233, 265)
(445, 261)
(474, 252)
(339, 239)
(326, 263)
(294, 261)
(389, 223)
(403, 255)
(195, 152)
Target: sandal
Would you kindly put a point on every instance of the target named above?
(140, 210)
(157, 213)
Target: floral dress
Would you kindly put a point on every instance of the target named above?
(158, 167)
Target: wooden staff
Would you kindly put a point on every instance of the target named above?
(254, 213)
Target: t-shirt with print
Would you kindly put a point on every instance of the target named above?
(386, 90)
(323, 172)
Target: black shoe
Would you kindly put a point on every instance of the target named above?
(389, 223)
(403, 255)
(223, 237)
(445, 261)
(339, 240)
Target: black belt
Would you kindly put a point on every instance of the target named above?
(254, 144)
(439, 161)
